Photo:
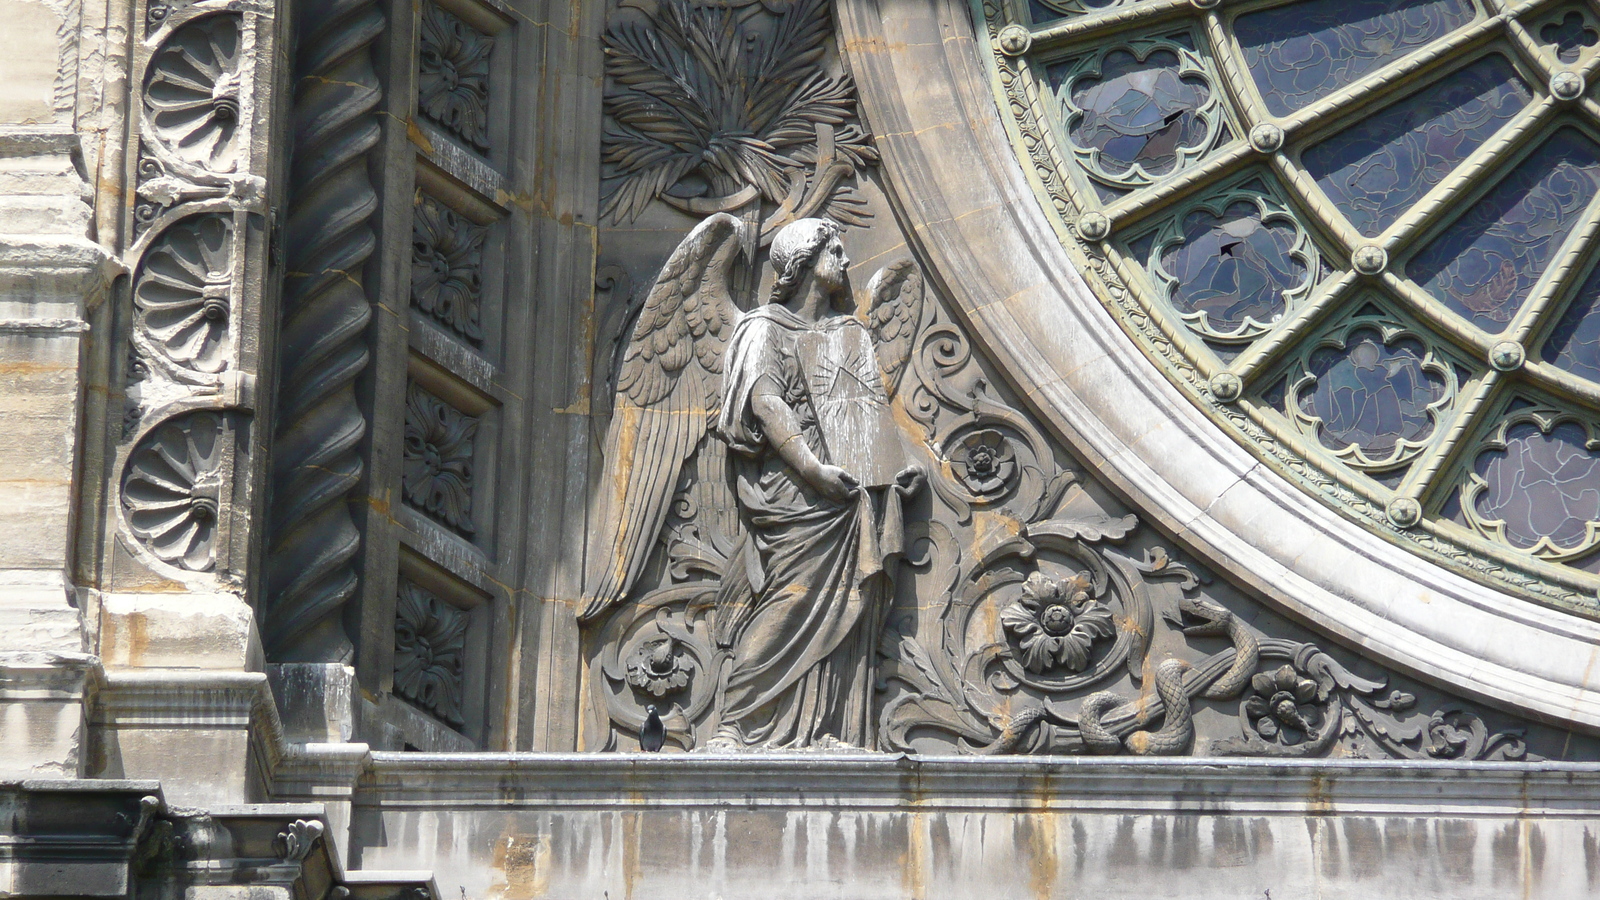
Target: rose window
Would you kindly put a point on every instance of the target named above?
(1363, 235)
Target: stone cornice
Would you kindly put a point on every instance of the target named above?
(885, 782)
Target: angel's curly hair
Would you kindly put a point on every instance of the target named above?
(794, 251)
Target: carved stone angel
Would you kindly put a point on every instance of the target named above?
(799, 390)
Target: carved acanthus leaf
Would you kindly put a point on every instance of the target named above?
(439, 459)
(430, 647)
(453, 75)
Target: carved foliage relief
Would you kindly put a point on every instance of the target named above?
(453, 76)
(728, 107)
(430, 647)
(1028, 618)
(446, 267)
(439, 460)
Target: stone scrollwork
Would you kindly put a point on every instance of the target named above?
(430, 647)
(192, 93)
(765, 122)
(183, 294)
(453, 75)
(172, 490)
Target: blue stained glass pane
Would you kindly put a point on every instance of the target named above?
(1377, 168)
(1371, 394)
(1233, 267)
(1541, 485)
(1484, 264)
(1303, 52)
(1574, 344)
(1139, 112)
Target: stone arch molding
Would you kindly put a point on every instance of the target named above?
(987, 244)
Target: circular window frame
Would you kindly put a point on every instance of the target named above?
(936, 96)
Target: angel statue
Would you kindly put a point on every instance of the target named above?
(798, 390)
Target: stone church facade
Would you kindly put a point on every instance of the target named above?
(799, 448)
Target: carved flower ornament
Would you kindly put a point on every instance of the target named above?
(446, 254)
(654, 667)
(172, 492)
(193, 93)
(1280, 707)
(984, 462)
(438, 459)
(182, 292)
(453, 76)
(430, 644)
(1057, 622)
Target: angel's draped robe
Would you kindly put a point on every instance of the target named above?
(802, 602)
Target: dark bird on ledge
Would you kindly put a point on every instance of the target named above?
(653, 733)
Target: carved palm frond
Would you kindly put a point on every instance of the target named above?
(695, 91)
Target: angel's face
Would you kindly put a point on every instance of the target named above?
(833, 270)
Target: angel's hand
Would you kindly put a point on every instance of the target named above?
(835, 483)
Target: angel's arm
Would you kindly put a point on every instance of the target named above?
(782, 428)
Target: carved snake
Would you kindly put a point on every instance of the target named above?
(1246, 648)
(1174, 737)
(1177, 730)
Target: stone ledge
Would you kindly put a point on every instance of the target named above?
(879, 781)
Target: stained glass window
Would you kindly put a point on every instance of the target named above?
(1363, 234)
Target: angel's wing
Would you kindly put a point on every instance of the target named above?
(668, 390)
(896, 293)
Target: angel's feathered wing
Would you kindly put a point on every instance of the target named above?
(896, 314)
(668, 390)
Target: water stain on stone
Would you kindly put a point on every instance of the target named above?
(1363, 847)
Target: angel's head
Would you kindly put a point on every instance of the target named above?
(811, 248)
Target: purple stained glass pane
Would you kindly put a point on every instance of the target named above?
(1574, 343)
(1233, 267)
(1302, 52)
(1371, 394)
(1485, 262)
(1541, 485)
(1139, 112)
(1374, 170)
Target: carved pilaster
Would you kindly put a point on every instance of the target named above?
(317, 445)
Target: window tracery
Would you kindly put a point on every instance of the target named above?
(1362, 234)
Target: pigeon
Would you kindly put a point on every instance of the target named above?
(652, 734)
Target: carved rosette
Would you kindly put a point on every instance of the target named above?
(439, 460)
(172, 490)
(193, 93)
(430, 646)
(446, 267)
(453, 76)
(183, 294)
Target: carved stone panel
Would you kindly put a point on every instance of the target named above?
(183, 294)
(453, 76)
(172, 490)
(439, 455)
(430, 647)
(446, 267)
(192, 93)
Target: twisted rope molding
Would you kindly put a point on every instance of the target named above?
(316, 447)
